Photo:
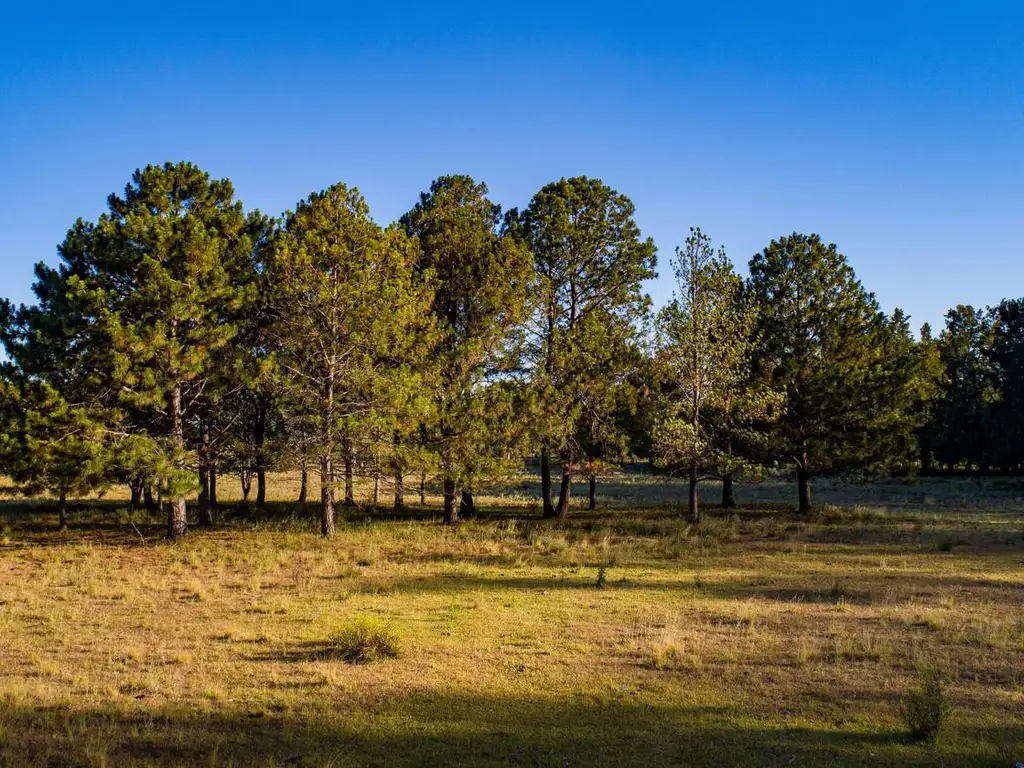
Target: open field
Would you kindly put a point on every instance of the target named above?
(759, 638)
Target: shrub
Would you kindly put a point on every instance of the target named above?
(602, 578)
(925, 708)
(365, 639)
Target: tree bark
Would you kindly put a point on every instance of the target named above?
(62, 512)
(694, 502)
(177, 521)
(304, 484)
(592, 501)
(245, 478)
(564, 492)
(467, 507)
(326, 496)
(803, 481)
(260, 437)
(423, 489)
(136, 488)
(399, 490)
(451, 514)
(728, 495)
(213, 487)
(545, 481)
(147, 498)
(205, 515)
(350, 499)
(376, 488)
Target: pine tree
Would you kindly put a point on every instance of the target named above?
(159, 274)
(350, 324)
(963, 412)
(589, 262)
(143, 304)
(480, 281)
(1006, 354)
(705, 337)
(821, 342)
(48, 445)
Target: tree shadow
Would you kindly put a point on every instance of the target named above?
(446, 729)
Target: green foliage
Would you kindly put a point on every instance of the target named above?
(925, 708)
(145, 300)
(586, 305)
(843, 366)
(709, 401)
(366, 639)
(480, 277)
(350, 325)
(48, 445)
(181, 335)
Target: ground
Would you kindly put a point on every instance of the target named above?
(622, 637)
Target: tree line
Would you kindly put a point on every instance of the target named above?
(182, 337)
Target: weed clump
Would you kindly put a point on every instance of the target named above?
(365, 639)
(925, 708)
(602, 578)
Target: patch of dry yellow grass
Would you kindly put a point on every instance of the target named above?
(757, 638)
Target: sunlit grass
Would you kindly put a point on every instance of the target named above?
(755, 638)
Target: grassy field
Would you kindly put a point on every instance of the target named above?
(625, 637)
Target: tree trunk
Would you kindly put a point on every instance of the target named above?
(350, 499)
(467, 507)
(545, 481)
(326, 496)
(147, 498)
(694, 503)
(245, 478)
(62, 512)
(177, 522)
(451, 514)
(205, 515)
(376, 488)
(592, 502)
(728, 495)
(423, 489)
(136, 488)
(400, 490)
(259, 438)
(261, 486)
(803, 481)
(303, 484)
(213, 487)
(564, 492)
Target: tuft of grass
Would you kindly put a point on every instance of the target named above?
(365, 639)
(602, 578)
(838, 590)
(925, 708)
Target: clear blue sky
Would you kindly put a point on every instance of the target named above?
(895, 129)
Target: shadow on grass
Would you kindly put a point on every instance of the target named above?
(447, 729)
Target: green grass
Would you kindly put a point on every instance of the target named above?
(757, 638)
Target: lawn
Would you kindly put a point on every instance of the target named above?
(621, 637)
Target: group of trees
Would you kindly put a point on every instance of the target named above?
(182, 337)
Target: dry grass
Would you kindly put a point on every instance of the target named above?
(758, 638)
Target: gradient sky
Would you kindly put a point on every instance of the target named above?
(894, 129)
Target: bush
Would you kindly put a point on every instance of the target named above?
(925, 708)
(366, 639)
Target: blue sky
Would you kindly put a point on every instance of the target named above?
(895, 129)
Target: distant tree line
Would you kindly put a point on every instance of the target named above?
(182, 338)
